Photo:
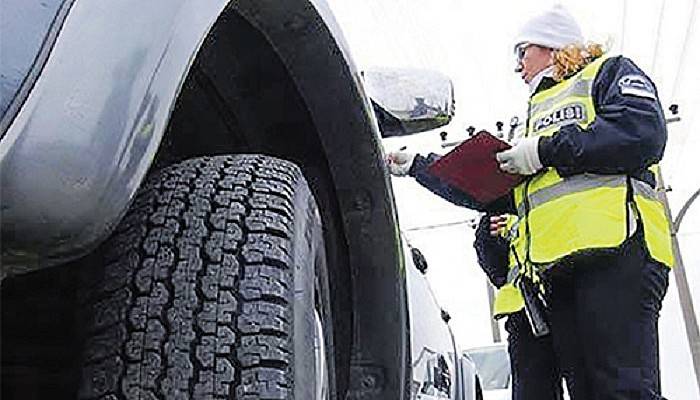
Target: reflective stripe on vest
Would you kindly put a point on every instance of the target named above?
(580, 89)
(585, 182)
(576, 183)
(512, 274)
(562, 216)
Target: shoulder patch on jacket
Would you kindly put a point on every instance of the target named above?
(636, 85)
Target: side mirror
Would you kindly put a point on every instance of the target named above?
(408, 101)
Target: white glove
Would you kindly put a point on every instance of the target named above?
(522, 159)
(399, 162)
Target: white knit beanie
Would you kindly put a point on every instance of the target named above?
(555, 29)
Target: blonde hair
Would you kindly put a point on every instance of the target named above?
(573, 58)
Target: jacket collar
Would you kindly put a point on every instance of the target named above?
(537, 80)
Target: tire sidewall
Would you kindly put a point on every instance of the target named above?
(308, 247)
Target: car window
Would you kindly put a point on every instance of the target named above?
(493, 368)
(24, 26)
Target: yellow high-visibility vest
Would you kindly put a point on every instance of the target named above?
(508, 298)
(560, 217)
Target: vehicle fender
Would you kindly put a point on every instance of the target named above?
(78, 149)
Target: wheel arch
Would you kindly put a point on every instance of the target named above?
(91, 126)
(280, 81)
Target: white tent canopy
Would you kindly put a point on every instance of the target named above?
(472, 43)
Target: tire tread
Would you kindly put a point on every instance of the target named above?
(195, 300)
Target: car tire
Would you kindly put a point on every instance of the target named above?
(213, 286)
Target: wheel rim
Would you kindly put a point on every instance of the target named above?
(322, 392)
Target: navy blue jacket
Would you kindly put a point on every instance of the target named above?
(627, 135)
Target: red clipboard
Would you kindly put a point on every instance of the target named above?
(473, 169)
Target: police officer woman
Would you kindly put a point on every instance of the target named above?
(590, 224)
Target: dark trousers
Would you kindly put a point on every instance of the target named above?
(533, 365)
(604, 312)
